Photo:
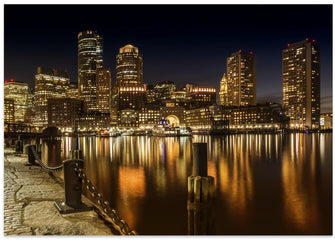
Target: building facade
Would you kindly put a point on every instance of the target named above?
(301, 84)
(63, 113)
(17, 91)
(260, 117)
(90, 58)
(241, 79)
(9, 109)
(104, 90)
(326, 121)
(202, 96)
(49, 83)
(72, 91)
(164, 90)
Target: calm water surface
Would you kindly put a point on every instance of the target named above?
(265, 184)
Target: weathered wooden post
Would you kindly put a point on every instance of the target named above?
(200, 194)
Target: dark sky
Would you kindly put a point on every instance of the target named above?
(180, 43)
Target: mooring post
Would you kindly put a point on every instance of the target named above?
(19, 146)
(73, 189)
(31, 156)
(200, 194)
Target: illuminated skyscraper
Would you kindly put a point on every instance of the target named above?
(223, 91)
(129, 67)
(90, 53)
(104, 87)
(128, 91)
(241, 76)
(301, 84)
(17, 91)
(49, 83)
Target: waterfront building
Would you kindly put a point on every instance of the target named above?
(241, 79)
(19, 92)
(90, 58)
(301, 84)
(49, 83)
(128, 118)
(9, 109)
(223, 94)
(218, 118)
(72, 91)
(326, 121)
(104, 93)
(175, 115)
(260, 117)
(210, 119)
(63, 113)
(148, 117)
(93, 121)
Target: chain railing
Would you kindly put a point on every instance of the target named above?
(72, 196)
(104, 204)
(52, 169)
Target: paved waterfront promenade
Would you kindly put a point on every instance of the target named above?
(29, 195)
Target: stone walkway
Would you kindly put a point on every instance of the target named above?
(29, 195)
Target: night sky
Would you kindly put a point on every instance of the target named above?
(180, 43)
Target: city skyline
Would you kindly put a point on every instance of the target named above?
(175, 65)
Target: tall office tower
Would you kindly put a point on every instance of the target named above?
(223, 94)
(19, 92)
(49, 83)
(129, 67)
(241, 77)
(128, 89)
(90, 53)
(301, 84)
(104, 87)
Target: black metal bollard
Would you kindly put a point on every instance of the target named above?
(31, 156)
(7, 141)
(73, 189)
(200, 159)
(19, 146)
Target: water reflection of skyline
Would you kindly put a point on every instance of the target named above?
(134, 172)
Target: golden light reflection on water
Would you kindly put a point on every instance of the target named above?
(300, 190)
(139, 171)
